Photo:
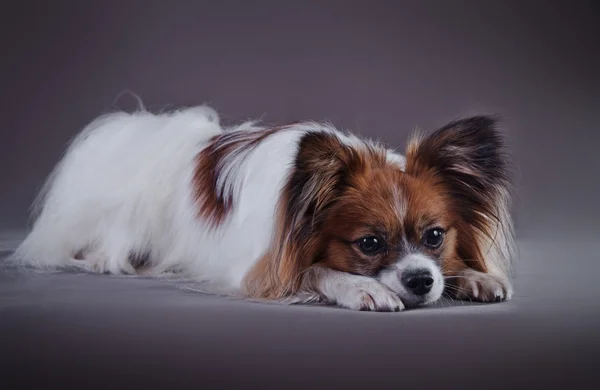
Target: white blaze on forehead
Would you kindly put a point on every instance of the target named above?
(400, 204)
(400, 207)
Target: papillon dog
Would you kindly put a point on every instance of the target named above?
(297, 213)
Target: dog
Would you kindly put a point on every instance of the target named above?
(300, 213)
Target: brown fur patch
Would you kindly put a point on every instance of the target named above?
(214, 202)
(393, 206)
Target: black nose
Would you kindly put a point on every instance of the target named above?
(419, 282)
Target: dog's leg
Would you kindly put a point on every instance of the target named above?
(111, 254)
(469, 284)
(349, 291)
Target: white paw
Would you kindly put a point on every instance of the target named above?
(100, 263)
(482, 287)
(368, 295)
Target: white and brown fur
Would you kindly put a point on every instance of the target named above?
(281, 213)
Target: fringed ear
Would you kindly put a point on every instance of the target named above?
(313, 185)
(468, 159)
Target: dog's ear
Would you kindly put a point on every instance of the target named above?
(468, 155)
(468, 158)
(322, 165)
(320, 170)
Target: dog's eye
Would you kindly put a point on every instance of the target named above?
(433, 238)
(370, 245)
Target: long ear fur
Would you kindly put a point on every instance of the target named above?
(467, 156)
(313, 185)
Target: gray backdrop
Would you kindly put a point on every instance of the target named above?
(379, 68)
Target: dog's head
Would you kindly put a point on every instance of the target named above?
(411, 223)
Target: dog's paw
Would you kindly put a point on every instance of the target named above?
(478, 286)
(369, 295)
(96, 262)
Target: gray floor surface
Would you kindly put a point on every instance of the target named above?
(113, 331)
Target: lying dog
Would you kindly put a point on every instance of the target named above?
(297, 213)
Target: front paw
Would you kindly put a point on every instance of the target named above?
(478, 286)
(369, 295)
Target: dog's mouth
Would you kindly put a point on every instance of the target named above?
(414, 301)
